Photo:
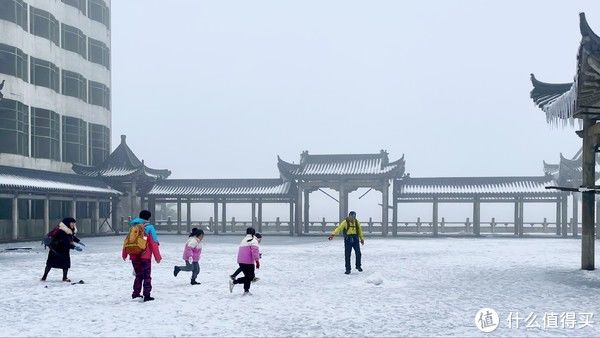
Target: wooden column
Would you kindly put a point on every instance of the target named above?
(564, 221)
(342, 203)
(179, 216)
(597, 218)
(385, 201)
(74, 208)
(132, 199)
(114, 215)
(224, 216)
(575, 224)
(521, 217)
(152, 209)
(298, 220)
(558, 218)
(216, 217)
(97, 216)
(46, 214)
(588, 198)
(476, 216)
(394, 215)
(15, 217)
(253, 215)
(291, 218)
(435, 217)
(188, 211)
(259, 221)
(516, 229)
(306, 210)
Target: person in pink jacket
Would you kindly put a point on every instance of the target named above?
(142, 264)
(191, 255)
(248, 256)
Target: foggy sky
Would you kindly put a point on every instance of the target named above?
(218, 89)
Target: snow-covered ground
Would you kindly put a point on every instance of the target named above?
(415, 287)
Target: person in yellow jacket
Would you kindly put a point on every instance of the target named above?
(353, 235)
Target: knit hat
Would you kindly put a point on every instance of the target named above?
(250, 231)
(145, 215)
(258, 235)
(67, 221)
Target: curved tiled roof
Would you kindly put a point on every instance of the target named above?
(474, 186)
(40, 181)
(342, 165)
(221, 188)
(580, 98)
(121, 163)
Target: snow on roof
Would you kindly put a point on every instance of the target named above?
(474, 186)
(39, 181)
(342, 165)
(221, 187)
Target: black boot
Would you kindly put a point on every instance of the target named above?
(148, 298)
(176, 271)
(347, 272)
(193, 282)
(136, 296)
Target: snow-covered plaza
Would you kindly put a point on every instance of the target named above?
(414, 287)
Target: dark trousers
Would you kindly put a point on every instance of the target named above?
(248, 270)
(194, 267)
(47, 270)
(352, 242)
(143, 270)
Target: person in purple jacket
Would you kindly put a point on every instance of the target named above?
(248, 255)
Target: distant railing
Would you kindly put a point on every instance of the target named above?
(369, 226)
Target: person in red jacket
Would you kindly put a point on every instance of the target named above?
(142, 265)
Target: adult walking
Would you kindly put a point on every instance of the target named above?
(353, 235)
(63, 240)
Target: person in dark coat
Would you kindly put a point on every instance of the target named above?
(63, 240)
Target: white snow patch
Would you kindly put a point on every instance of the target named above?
(375, 279)
(430, 287)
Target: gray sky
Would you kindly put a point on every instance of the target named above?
(220, 88)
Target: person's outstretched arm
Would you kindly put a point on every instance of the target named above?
(338, 229)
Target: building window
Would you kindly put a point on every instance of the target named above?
(74, 84)
(98, 11)
(43, 24)
(79, 4)
(14, 11)
(13, 61)
(98, 53)
(14, 127)
(44, 73)
(45, 137)
(74, 139)
(73, 39)
(99, 94)
(99, 143)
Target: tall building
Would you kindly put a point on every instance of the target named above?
(55, 112)
(55, 61)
